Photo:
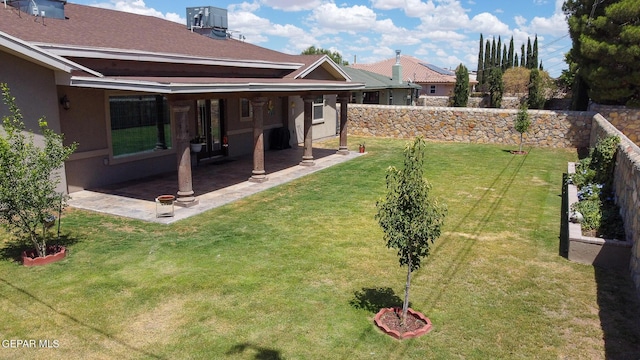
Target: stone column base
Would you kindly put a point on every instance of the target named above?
(342, 150)
(308, 162)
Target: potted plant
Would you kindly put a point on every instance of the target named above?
(196, 144)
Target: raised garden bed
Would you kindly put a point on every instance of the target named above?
(602, 252)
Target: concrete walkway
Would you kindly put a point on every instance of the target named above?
(215, 183)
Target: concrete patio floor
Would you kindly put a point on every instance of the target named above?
(215, 183)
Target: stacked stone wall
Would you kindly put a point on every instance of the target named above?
(627, 187)
(474, 102)
(559, 129)
(627, 120)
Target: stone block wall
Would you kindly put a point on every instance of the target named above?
(548, 128)
(474, 102)
(627, 120)
(626, 181)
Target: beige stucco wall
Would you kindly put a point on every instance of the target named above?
(320, 130)
(34, 90)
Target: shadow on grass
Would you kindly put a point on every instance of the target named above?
(619, 313)
(12, 250)
(75, 320)
(262, 353)
(373, 300)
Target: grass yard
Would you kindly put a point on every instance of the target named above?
(299, 271)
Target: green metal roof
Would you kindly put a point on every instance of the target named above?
(374, 81)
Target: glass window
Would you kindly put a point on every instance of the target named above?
(318, 109)
(432, 90)
(139, 124)
(246, 110)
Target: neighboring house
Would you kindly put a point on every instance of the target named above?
(134, 90)
(433, 80)
(381, 90)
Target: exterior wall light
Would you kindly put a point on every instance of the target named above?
(65, 102)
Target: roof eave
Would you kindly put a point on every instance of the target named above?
(135, 55)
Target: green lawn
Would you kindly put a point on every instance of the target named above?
(298, 272)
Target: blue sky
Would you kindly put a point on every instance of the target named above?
(441, 32)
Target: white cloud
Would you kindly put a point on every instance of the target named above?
(139, 7)
(488, 24)
(292, 5)
(350, 19)
(555, 25)
(412, 8)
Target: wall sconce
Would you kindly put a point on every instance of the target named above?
(65, 102)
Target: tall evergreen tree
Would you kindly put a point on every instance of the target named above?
(504, 58)
(523, 56)
(535, 99)
(606, 49)
(480, 69)
(529, 61)
(534, 56)
(461, 88)
(510, 54)
(496, 88)
(493, 53)
(516, 62)
(498, 62)
(487, 64)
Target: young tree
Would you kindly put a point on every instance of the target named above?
(496, 88)
(522, 122)
(461, 88)
(28, 196)
(536, 98)
(410, 218)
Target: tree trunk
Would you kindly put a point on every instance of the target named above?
(520, 142)
(405, 304)
(41, 247)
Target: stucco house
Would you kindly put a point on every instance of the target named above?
(382, 90)
(434, 81)
(133, 91)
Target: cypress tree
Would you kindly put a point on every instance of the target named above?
(498, 62)
(516, 62)
(523, 57)
(534, 56)
(461, 88)
(536, 98)
(493, 53)
(529, 62)
(504, 58)
(496, 88)
(480, 61)
(510, 54)
(487, 63)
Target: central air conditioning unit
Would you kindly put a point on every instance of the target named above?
(208, 20)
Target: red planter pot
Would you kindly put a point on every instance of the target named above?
(389, 330)
(55, 253)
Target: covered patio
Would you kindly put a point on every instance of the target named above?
(215, 183)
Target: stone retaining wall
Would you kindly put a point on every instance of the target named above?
(625, 119)
(626, 181)
(474, 102)
(548, 128)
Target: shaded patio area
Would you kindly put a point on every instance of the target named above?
(215, 183)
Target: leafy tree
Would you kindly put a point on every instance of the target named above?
(461, 88)
(536, 98)
(496, 88)
(606, 49)
(334, 55)
(480, 61)
(410, 218)
(522, 122)
(28, 196)
(516, 81)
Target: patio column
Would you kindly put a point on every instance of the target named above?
(180, 114)
(307, 156)
(344, 100)
(258, 174)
